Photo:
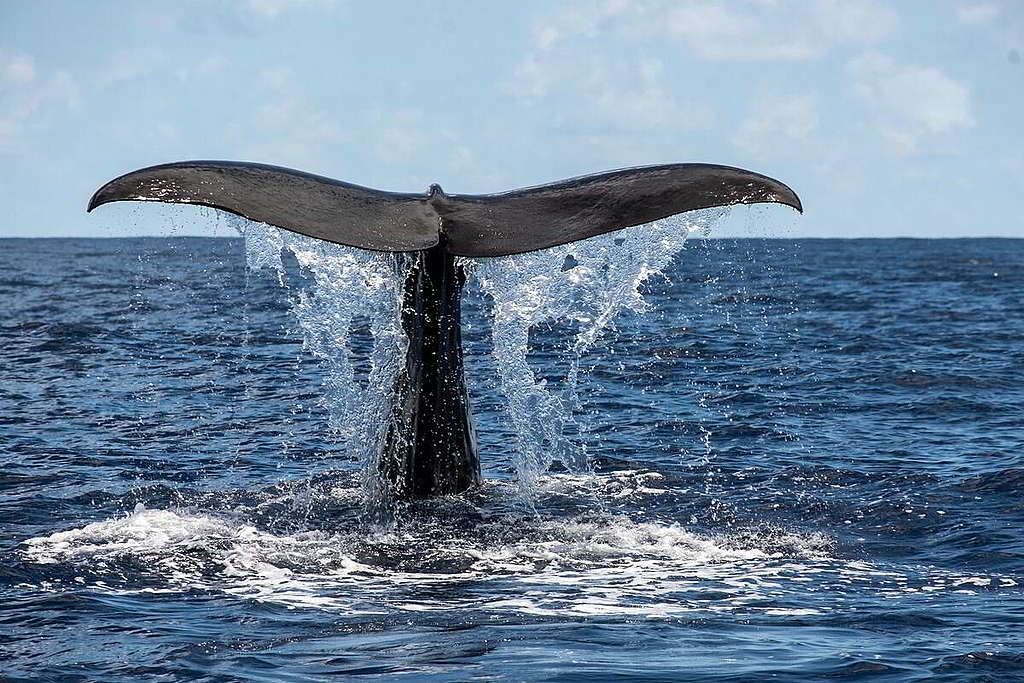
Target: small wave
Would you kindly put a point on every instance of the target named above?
(1004, 663)
(1009, 480)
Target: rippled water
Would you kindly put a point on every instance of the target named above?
(805, 461)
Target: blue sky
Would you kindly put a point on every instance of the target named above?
(889, 119)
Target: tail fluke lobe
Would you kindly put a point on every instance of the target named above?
(474, 225)
(548, 215)
(301, 202)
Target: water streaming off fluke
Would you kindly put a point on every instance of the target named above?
(347, 304)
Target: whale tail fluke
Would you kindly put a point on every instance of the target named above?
(430, 444)
(474, 225)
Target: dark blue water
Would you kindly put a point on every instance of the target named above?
(808, 462)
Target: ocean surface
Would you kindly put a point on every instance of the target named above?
(780, 460)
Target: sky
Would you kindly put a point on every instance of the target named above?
(888, 119)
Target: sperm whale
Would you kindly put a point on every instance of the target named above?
(430, 447)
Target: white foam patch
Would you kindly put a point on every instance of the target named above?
(608, 565)
(197, 551)
(142, 532)
(618, 485)
(594, 563)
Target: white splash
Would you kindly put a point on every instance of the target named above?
(586, 283)
(351, 292)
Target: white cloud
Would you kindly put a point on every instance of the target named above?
(1000, 25)
(273, 8)
(910, 103)
(778, 31)
(16, 69)
(282, 125)
(277, 78)
(127, 65)
(532, 77)
(420, 146)
(746, 30)
(632, 66)
(623, 94)
(717, 32)
(778, 125)
(206, 67)
(400, 134)
(977, 14)
(29, 97)
(287, 133)
(644, 103)
(218, 16)
(845, 22)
